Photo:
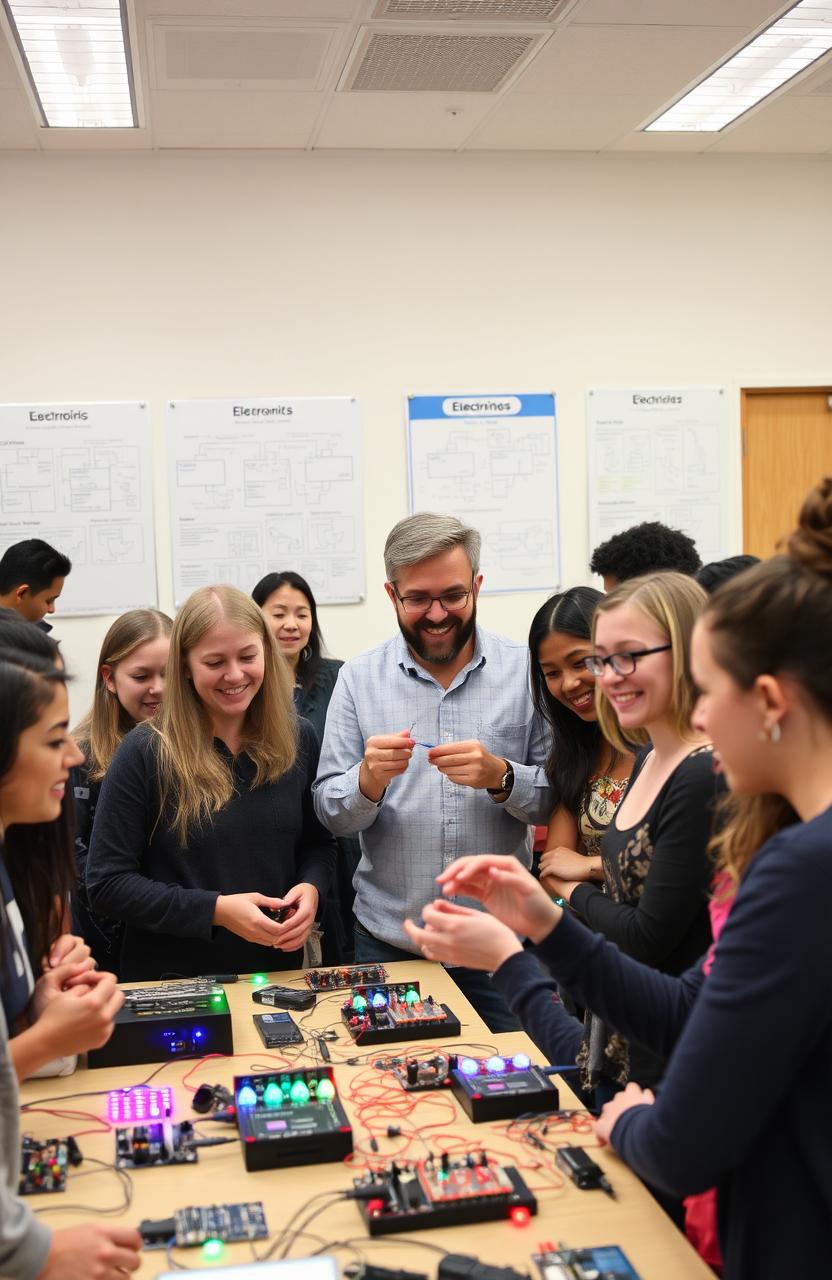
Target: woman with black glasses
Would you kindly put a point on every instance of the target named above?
(657, 873)
(654, 852)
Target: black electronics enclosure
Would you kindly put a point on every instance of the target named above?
(440, 1192)
(386, 1012)
(291, 1117)
(170, 1020)
(503, 1094)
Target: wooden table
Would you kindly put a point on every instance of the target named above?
(373, 1100)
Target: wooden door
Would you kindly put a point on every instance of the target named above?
(786, 449)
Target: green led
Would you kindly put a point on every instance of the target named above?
(286, 1084)
(358, 1002)
(411, 996)
(259, 979)
(272, 1095)
(299, 1092)
(217, 999)
(326, 1090)
(213, 1249)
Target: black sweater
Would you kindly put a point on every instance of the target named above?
(660, 871)
(744, 1105)
(266, 839)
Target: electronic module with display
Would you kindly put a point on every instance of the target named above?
(498, 1088)
(291, 1117)
(443, 1192)
(170, 1019)
(382, 1013)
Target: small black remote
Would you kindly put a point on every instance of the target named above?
(284, 997)
(278, 914)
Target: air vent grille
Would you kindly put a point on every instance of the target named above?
(471, 10)
(435, 62)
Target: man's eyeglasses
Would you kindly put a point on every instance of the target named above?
(623, 664)
(421, 602)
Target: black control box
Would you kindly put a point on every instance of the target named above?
(386, 1012)
(170, 1020)
(291, 1117)
(499, 1088)
(443, 1192)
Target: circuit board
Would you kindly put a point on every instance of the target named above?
(145, 1145)
(231, 1223)
(604, 1262)
(439, 1192)
(43, 1166)
(379, 1013)
(417, 1075)
(353, 975)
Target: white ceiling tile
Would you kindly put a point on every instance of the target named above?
(660, 61)
(95, 139)
(787, 124)
(689, 13)
(408, 120)
(647, 143)
(9, 73)
(307, 10)
(18, 130)
(242, 119)
(559, 122)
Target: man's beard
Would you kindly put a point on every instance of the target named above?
(456, 638)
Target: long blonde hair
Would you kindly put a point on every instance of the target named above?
(106, 722)
(193, 779)
(674, 602)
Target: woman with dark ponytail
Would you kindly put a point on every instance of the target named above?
(587, 775)
(744, 1104)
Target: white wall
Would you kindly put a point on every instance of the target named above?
(178, 275)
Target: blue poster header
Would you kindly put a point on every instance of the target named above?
(480, 406)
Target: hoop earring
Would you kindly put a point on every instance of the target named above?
(305, 654)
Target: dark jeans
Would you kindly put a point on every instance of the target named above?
(475, 986)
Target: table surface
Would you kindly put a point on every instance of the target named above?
(372, 1100)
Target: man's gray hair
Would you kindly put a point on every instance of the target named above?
(425, 535)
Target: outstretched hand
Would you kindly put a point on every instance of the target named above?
(460, 935)
(506, 889)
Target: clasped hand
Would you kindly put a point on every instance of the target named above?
(469, 763)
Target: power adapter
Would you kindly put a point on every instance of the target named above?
(463, 1266)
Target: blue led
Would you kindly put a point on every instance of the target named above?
(246, 1097)
(495, 1065)
(198, 1033)
(469, 1066)
(379, 1000)
(520, 1061)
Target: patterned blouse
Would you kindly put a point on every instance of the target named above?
(601, 797)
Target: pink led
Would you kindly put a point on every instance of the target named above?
(126, 1106)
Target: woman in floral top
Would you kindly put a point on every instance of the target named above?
(588, 777)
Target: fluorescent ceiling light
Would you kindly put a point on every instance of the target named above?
(770, 60)
(75, 53)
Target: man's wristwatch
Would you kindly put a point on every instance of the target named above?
(506, 782)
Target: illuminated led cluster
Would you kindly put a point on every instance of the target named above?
(494, 1066)
(139, 1105)
(285, 1091)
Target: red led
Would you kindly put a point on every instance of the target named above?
(520, 1215)
(375, 1207)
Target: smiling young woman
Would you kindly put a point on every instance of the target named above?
(205, 815)
(588, 776)
(129, 687)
